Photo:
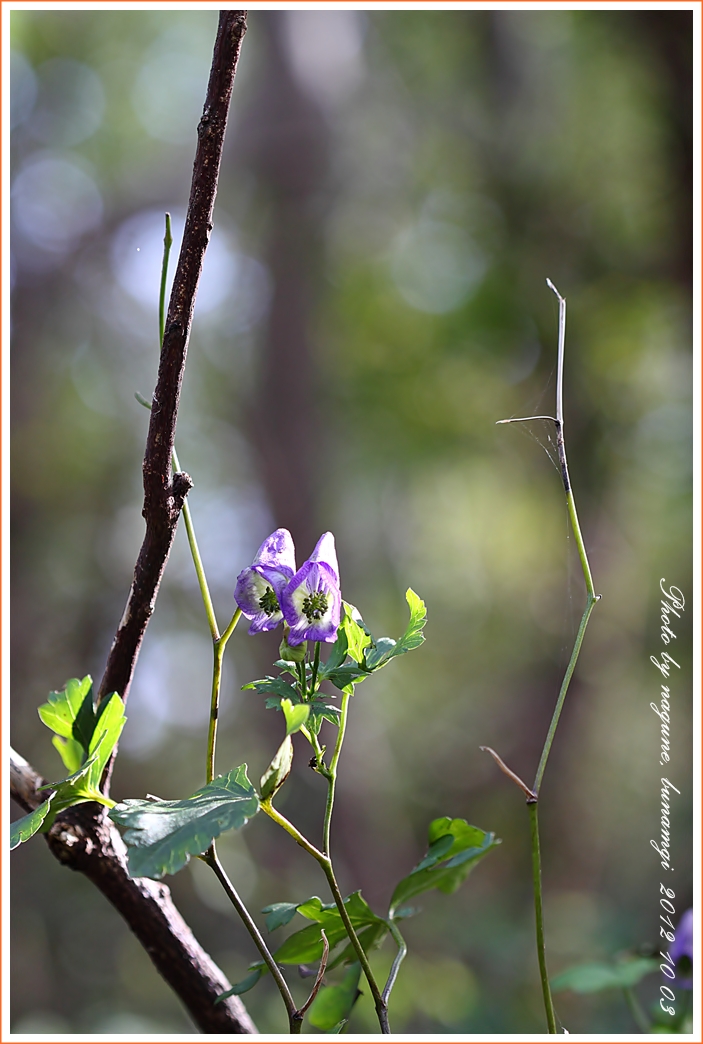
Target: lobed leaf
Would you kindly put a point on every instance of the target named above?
(163, 835)
(455, 847)
(245, 985)
(279, 915)
(275, 685)
(306, 945)
(62, 710)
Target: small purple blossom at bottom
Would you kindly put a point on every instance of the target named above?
(259, 586)
(311, 602)
(681, 950)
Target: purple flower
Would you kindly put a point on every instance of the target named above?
(311, 601)
(681, 950)
(259, 587)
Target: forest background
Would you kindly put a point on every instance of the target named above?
(396, 186)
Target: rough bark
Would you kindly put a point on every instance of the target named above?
(82, 838)
(92, 845)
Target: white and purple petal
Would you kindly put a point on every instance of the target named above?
(277, 551)
(325, 552)
(257, 597)
(311, 603)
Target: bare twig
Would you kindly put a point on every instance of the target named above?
(94, 847)
(320, 976)
(530, 794)
(163, 494)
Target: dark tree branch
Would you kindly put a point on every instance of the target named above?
(93, 846)
(82, 838)
(163, 496)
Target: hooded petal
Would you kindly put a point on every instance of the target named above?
(258, 600)
(277, 551)
(325, 551)
(311, 604)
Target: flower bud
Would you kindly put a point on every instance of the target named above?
(296, 653)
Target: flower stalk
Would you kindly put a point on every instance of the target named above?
(591, 599)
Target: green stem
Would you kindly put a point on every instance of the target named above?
(399, 958)
(219, 645)
(539, 922)
(294, 1018)
(326, 864)
(332, 774)
(168, 241)
(379, 1002)
(197, 561)
(562, 693)
(315, 669)
(641, 1021)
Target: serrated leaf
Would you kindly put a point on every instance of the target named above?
(592, 978)
(333, 1004)
(62, 709)
(22, 829)
(244, 986)
(275, 685)
(296, 716)
(279, 914)
(163, 835)
(448, 869)
(278, 771)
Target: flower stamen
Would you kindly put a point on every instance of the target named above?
(269, 603)
(315, 605)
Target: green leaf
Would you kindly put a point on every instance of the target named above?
(306, 945)
(163, 835)
(71, 752)
(276, 685)
(296, 716)
(110, 722)
(278, 771)
(333, 1004)
(448, 862)
(62, 710)
(383, 651)
(350, 674)
(358, 638)
(592, 978)
(244, 986)
(338, 652)
(24, 828)
(279, 914)
(369, 938)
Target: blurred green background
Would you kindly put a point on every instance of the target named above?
(396, 186)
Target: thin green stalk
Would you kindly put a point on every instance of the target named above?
(539, 921)
(399, 958)
(562, 693)
(641, 1021)
(326, 864)
(315, 669)
(332, 773)
(218, 646)
(380, 1004)
(197, 561)
(168, 242)
(295, 1019)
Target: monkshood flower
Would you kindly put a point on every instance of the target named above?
(311, 601)
(681, 950)
(259, 587)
